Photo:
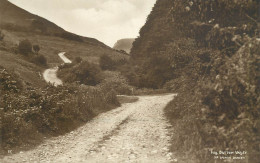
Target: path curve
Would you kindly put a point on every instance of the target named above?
(50, 75)
(134, 132)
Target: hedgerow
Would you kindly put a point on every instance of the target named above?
(29, 113)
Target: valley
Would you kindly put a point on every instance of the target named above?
(186, 86)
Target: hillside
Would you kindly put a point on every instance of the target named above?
(124, 44)
(13, 15)
(206, 51)
(17, 19)
(32, 109)
(17, 24)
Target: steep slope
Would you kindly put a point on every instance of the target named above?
(208, 52)
(124, 44)
(174, 19)
(15, 18)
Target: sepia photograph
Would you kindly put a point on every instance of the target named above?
(129, 81)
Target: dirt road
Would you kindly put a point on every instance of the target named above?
(134, 132)
(50, 75)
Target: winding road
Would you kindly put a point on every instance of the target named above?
(134, 132)
(50, 75)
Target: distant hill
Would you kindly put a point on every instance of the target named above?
(124, 44)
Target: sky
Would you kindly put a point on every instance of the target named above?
(105, 20)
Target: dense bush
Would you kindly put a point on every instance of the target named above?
(220, 110)
(106, 63)
(84, 73)
(25, 47)
(213, 54)
(29, 113)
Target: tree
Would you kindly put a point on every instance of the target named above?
(106, 63)
(87, 73)
(25, 47)
(36, 48)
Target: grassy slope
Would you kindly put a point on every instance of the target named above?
(23, 121)
(50, 47)
(10, 13)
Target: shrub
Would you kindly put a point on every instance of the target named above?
(30, 113)
(84, 73)
(106, 63)
(25, 47)
(39, 60)
(36, 48)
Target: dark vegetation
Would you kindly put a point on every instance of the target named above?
(104, 75)
(107, 63)
(80, 72)
(31, 109)
(207, 52)
(26, 48)
(28, 114)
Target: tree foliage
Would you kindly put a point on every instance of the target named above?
(83, 72)
(210, 50)
(106, 63)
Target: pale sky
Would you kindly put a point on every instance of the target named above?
(105, 20)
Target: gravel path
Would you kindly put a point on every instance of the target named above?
(134, 132)
(50, 75)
